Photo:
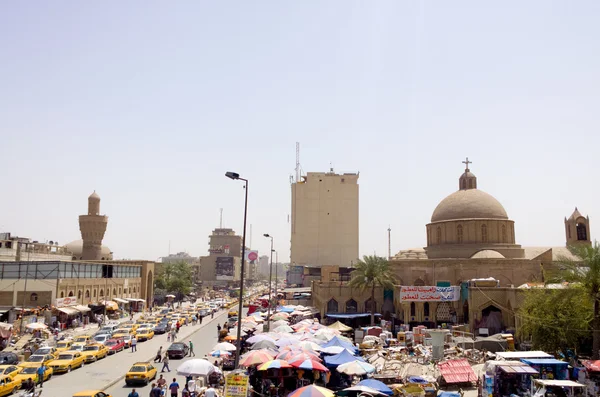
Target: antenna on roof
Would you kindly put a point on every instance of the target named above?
(221, 218)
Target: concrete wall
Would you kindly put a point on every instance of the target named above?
(13, 291)
(324, 220)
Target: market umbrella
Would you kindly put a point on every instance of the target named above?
(309, 365)
(311, 391)
(334, 350)
(292, 355)
(220, 353)
(196, 367)
(255, 357)
(377, 385)
(279, 316)
(284, 329)
(36, 326)
(363, 389)
(356, 368)
(264, 344)
(258, 338)
(274, 364)
(306, 345)
(340, 327)
(279, 323)
(286, 341)
(170, 296)
(224, 346)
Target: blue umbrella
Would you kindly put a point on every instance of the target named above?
(417, 379)
(377, 385)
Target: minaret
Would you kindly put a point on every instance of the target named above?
(577, 229)
(92, 226)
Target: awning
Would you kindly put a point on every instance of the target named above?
(350, 315)
(517, 369)
(83, 309)
(457, 371)
(121, 300)
(71, 311)
(545, 361)
(135, 300)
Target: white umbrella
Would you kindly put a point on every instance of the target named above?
(196, 367)
(307, 345)
(286, 341)
(279, 323)
(220, 353)
(258, 338)
(356, 368)
(284, 328)
(224, 346)
(334, 350)
(170, 296)
(365, 389)
(36, 326)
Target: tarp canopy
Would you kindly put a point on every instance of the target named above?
(120, 300)
(457, 371)
(377, 385)
(344, 357)
(335, 341)
(448, 394)
(71, 311)
(520, 355)
(340, 327)
(83, 309)
(517, 369)
(350, 315)
(545, 361)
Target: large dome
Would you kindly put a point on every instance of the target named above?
(76, 247)
(468, 204)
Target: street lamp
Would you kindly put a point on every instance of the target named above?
(270, 277)
(276, 266)
(236, 176)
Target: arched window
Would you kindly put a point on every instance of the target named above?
(463, 184)
(79, 294)
(426, 309)
(439, 235)
(120, 291)
(413, 309)
(114, 291)
(33, 297)
(351, 306)
(419, 282)
(368, 304)
(484, 238)
(87, 293)
(134, 290)
(581, 232)
(102, 293)
(503, 234)
(62, 294)
(332, 306)
(94, 293)
(459, 234)
(70, 293)
(470, 183)
(569, 230)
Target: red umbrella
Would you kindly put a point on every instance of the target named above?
(309, 365)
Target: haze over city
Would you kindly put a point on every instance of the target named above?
(149, 104)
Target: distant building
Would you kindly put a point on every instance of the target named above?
(15, 249)
(263, 265)
(184, 257)
(223, 263)
(325, 219)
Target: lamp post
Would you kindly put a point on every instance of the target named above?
(270, 277)
(276, 266)
(236, 176)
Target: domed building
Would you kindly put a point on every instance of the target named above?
(471, 271)
(76, 248)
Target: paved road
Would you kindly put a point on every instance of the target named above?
(106, 371)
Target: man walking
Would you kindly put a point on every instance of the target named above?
(218, 330)
(158, 357)
(133, 344)
(40, 373)
(133, 394)
(165, 363)
(174, 387)
(191, 350)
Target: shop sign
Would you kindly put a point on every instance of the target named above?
(68, 301)
(429, 294)
(236, 385)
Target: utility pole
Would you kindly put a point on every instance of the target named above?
(221, 219)
(389, 243)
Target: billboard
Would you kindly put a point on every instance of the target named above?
(251, 256)
(429, 294)
(295, 275)
(224, 268)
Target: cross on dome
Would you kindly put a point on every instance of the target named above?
(467, 162)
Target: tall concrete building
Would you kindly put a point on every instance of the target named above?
(325, 219)
(222, 265)
(93, 226)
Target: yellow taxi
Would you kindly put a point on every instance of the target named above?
(67, 361)
(9, 370)
(142, 372)
(36, 360)
(82, 339)
(94, 352)
(145, 333)
(122, 332)
(8, 386)
(64, 345)
(132, 327)
(31, 372)
(77, 347)
(91, 393)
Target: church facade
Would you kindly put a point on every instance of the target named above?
(472, 270)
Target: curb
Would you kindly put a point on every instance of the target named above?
(120, 378)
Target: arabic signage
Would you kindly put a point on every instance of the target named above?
(236, 385)
(224, 268)
(68, 301)
(429, 294)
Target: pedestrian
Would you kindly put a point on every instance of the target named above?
(155, 391)
(211, 392)
(174, 387)
(133, 344)
(218, 330)
(200, 317)
(161, 382)
(158, 357)
(178, 326)
(191, 350)
(133, 394)
(165, 363)
(40, 373)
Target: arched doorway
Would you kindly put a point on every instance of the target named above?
(351, 306)
(491, 318)
(332, 306)
(442, 313)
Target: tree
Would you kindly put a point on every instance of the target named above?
(372, 271)
(175, 278)
(561, 328)
(584, 270)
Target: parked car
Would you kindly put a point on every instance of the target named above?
(102, 338)
(231, 321)
(46, 350)
(8, 358)
(178, 350)
(161, 328)
(115, 345)
(204, 313)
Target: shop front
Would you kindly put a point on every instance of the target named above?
(505, 378)
(136, 304)
(69, 314)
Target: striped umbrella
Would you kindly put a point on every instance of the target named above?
(356, 368)
(220, 353)
(274, 364)
(311, 391)
(290, 355)
(255, 357)
(309, 365)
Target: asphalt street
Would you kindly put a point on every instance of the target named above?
(100, 375)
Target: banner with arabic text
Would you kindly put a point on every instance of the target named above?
(429, 294)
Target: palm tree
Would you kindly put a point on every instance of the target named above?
(372, 271)
(585, 271)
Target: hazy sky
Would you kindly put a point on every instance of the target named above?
(150, 102)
